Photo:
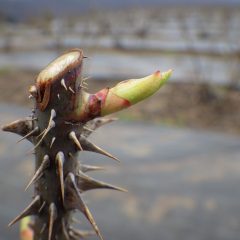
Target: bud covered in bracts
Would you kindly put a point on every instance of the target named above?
(123, 95)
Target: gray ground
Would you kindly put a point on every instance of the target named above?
(183, 184)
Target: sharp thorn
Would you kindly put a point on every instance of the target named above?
(89, 146)
(35, 130)
(98, 122)
(31, 209)
(52, 141)
(88, 168)
(53, 114)
(85, 79)
(83, 87)
(72, 136)
(71, 90)
(64, 84)
(46, 131)
(71, 199)
(86, 183)
(20, 127)
(78, 203)
(64, 229)
(45, 164)
(90, 218)
(43, 228)
(42, 206)
(52, 218)
(94, 124)
(38, 136)
(59, 162)
(51, 124)
(88, 129)
(70, 180)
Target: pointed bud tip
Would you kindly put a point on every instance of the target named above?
(163, 75)
(167, 74)
(135, 90)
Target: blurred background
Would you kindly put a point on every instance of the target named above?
(180, 149)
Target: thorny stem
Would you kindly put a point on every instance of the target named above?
(64, 116)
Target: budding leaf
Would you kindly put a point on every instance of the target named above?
(123, 95)
(133, 91)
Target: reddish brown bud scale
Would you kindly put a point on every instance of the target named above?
(67, 67)
(94, 107)
(114, 103)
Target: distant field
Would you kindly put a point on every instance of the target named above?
(200, 44)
